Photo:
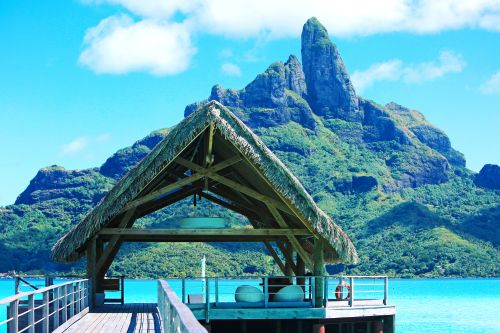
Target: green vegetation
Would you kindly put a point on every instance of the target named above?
(403, 221)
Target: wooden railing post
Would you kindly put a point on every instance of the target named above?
(386, 290)
(77, 297)
(71, 300)
(122, 292)
(14, 314)
(31, 313)
(351, 298)
(266, 291)
(45, 312)
(64, 304)
(325, 296)
(55, 318)
(313, 290)
(183, 290)
(216, 291)
(207, 300)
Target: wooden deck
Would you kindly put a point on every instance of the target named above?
(130, 318)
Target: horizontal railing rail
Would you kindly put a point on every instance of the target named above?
(220, 291)
(46, 308)
(175, 315)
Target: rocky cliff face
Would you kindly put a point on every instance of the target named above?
(489, 177)
(291, 92)
(124, 159)
(329, 88)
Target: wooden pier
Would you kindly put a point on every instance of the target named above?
(65, 308)
(127, 318)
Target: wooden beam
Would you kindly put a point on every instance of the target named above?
(287, 255)
(113, 246)
(289, 205)
(198, 168)
(275, 256)
(167, 200)
(246, 190)
(155, 194)
(293, 240)
(204, 232)
(232, 206)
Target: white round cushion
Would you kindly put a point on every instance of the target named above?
(289, 294)
(248, 294)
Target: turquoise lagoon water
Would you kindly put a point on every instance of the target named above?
(423, 305)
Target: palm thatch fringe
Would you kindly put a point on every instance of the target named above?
(338, 245)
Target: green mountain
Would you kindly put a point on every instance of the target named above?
(387, 176)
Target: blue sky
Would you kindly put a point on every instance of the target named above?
(81, 79)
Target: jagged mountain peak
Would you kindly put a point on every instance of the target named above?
(330, 92)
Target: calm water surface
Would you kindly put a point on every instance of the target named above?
(423, 305)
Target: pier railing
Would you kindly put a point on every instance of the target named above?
(46, 309)
(221, 292)
(175, 315)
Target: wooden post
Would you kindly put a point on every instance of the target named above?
(18, 285)
(122, 291)
(319, 271)
(351, 295)
(184, 290)
(45, 313)
(91, 269)
(216, 291)
(301, 272)
(64, 301)
(266, 291)
(71, 300)
(386, 290)
(389, 324)
(207, 300)
(319, 328)
(13, 313)
(56, 308)
(31, 313)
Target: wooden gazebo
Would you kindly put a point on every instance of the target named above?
(214, 155)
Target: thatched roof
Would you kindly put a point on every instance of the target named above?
(231, 131)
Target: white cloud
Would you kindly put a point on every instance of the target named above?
(354, 17)
(492, 85)
(384, 71)
(119, 45)
(230, 69)
(156, 44)
(103, 137)
(75, 146)
(226, 53)
(396, 70)
(82, 143)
